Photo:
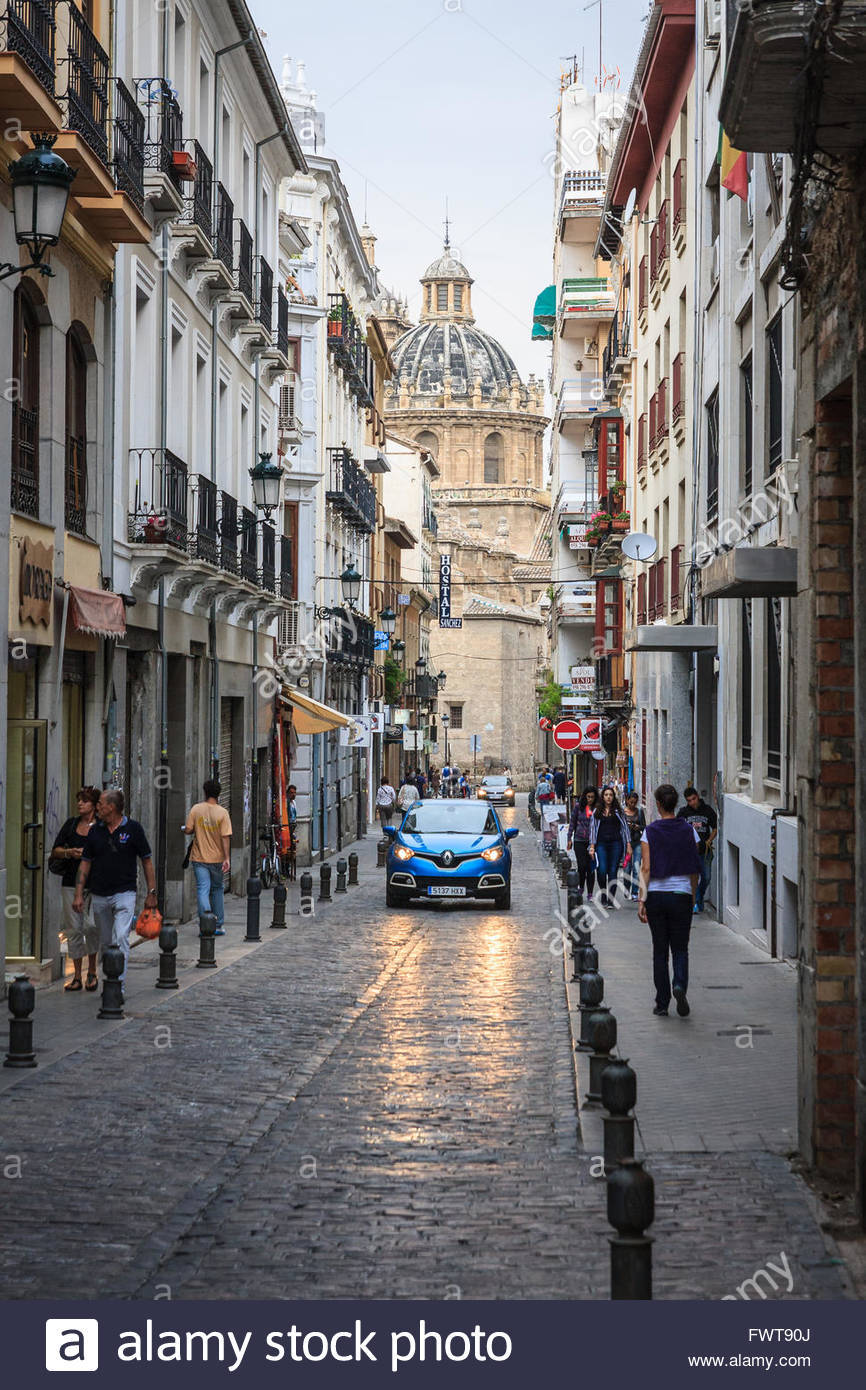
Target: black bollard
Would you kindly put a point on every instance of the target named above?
(585, 959)
(281, 892)
(353, 870)
(207, 925)
(618, 1096)
(382, 852)
(167, 959)
(254, 908)
(601, 1031)
(630, 1209)
(325, 883)
(305, 907)
(342, 867)
(22, 1002)
(112, 989)
(564, 868)
(591, 995)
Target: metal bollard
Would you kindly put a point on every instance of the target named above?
(342, 867)
(325, 883)
(22, 1002)
(207, 925)
(585, 959)
(601, 1030)
(254, 908)
(353, 870)
(305, 907)
(112, 989)
(382, 852)
(591, 995)
(167, 959)
(574, 899)
(630, 1209)
(281, 892)
(618, 1096)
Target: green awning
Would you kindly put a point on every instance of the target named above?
(545, 307)
(539, 331)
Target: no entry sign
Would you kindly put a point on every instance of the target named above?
(578, 735)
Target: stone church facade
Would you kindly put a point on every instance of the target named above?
(457, 393)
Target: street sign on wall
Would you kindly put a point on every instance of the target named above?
(445, 618)
(578, 735)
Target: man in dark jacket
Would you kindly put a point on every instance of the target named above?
(560, 783)
(669, 873)
(704, 820)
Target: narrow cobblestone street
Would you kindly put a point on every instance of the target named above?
(376, 1104)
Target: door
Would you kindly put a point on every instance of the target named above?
(25, 837)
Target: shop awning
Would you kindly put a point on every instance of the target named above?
(545, 307)
(309, 717)
(97, 612)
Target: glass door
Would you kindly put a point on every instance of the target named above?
(25, 837)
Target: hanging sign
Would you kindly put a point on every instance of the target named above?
(35, 582)
(445, 618)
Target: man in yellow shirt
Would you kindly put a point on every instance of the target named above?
(210, 825)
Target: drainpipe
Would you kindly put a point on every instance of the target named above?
(162, 810)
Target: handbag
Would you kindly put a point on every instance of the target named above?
(57, 866)
(185, 864)
(149, 923)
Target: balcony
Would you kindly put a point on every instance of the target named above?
(25, 460)
(676, 563)
(268, 572)
(194, 229)
(159, 511)
(642, 435)
(579, 396)
(27, 62)
(587, 299)
(346, 342)
(656, 591)
(660, 254)
(87, 85)
(642, 287)
(164, 155)
(768, 72)
(239, 310)
(204, 541)
(351, 638)
(228, 534)
(573, 609)
(582, 199)
(658, 423)
(75, 490)
(678, 397)
(350, 492)
(249, 566)
(617, 353)
(265, 295)
(287, 576)
(678, 226)
(128, 145)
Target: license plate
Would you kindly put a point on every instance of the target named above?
(445, 891)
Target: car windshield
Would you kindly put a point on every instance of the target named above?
(451, 818)
(496, 782)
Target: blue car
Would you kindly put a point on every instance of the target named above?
(449, 850)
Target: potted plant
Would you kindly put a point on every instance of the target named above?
(601, 521)
(155, 528)
(183, 165)
(617, 492)
(335, 324)
(622, 521)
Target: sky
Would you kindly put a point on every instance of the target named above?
(432, 99)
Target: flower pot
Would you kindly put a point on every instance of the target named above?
(155, 530)
(183, 165)
(621, 525)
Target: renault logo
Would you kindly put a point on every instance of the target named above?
(447, 857)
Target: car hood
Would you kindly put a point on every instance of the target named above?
(458, 844)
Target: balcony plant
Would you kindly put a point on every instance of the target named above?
(183, 165)
(550, 698)
(617, 490)
(155, 529)
(622, 521)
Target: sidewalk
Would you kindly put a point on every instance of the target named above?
(63, 1022)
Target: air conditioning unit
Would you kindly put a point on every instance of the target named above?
(289, 425)
(289, 627)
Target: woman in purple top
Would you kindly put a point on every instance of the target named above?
(669, 873)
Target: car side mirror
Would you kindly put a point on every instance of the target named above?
(511, 832)
(390, 832)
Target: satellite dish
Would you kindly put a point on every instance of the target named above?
(628, 210)
(639, 546)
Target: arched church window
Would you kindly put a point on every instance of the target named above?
(429, 441)
(494, 458)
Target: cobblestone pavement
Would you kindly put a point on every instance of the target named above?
(372, 1103)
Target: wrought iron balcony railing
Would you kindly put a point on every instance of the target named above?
(129, 129)
(228, 533)
(268, 577)
(350, 491)
(249, 547)
(75, 492)
(159, 511)
(244, 264)
(25, 460)
(30, 31)
(287, 568)
(198, 209)
(87, 87)
(265, 295)
(163, 125)
(205, 540)
(282, 322)
(224, 214)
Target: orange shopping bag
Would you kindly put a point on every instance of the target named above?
(149, 923)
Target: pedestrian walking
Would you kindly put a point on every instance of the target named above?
(211, 828)
(669, 873)
(435, 781)
(560, 784)
(446, 780)
(420, 783)
(609, 842)
(407, 795)
(636, 822)
(454, 782)
(704, 820)
(544, 788)
(386, 799)
(109, 870)
(79, 929)
(578, 835)
(464, 785)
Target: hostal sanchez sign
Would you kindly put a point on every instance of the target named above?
(445, 618)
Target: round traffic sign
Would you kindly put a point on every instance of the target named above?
(568, 735)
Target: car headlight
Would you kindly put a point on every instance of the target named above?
(509, 791)
(482, 791)
(403, 852)
(492, 854)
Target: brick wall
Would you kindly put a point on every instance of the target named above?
(829, 936)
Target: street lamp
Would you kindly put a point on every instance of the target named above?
(420, 666)
(398, 650)
(388, 621)
(40, 192)
(350, 581)
(446, 720)
(267, 480)
(441, 679)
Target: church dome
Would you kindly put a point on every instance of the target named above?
(425, 354)
(447, 267)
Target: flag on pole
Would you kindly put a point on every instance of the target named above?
(734, 165)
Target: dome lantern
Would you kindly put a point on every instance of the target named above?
(446, 290)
